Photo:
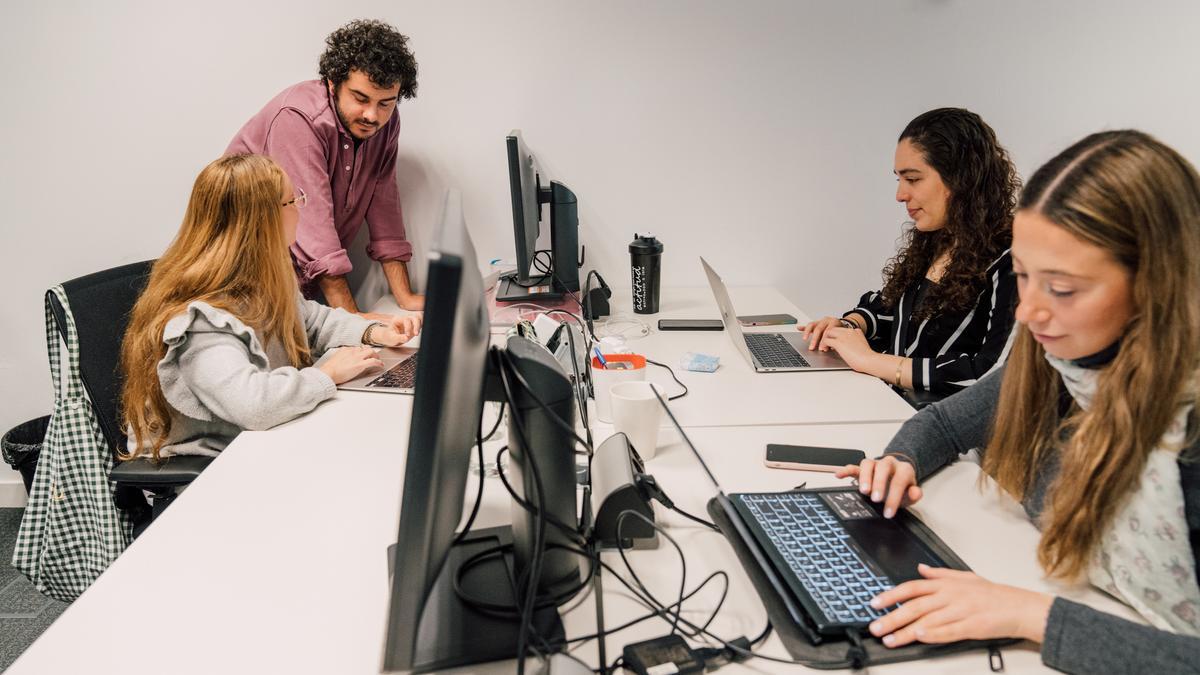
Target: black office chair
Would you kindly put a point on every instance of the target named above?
(100, 305)
(918, 399)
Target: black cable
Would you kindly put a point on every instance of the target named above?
(553, 519)
(816, 663)
(648, 486)
(672, 372)
(701, 521)
(682, 562)
(496, 426)
(720, 602)
(554, 417)
(479, 439)
(545, 269)
(535, 562)
(653, 603)
(511, 611)
(600, 564)
(652, 614)
(763, 635)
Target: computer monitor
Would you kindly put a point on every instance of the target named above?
(429, 625)
(529, 282)
(446, 405)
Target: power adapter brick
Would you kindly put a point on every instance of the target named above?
(667, 655)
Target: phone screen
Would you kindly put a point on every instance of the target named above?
(812, 456)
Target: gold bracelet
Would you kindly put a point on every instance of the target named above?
(899, 368)
(366, 338)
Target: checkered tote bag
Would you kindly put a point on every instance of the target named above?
(71, 530)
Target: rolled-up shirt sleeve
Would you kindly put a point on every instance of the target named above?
(294, 145)
(385, 219)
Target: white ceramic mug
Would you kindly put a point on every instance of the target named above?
(637, 413)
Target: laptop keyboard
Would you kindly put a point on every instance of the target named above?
(774, 351)
(403, 375)
(820, 552)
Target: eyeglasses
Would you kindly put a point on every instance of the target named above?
(299, 200)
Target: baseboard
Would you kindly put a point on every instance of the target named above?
(12, 490)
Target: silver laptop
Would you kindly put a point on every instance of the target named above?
(769, 352)
(398, 375)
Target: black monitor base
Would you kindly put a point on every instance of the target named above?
(508, 290)
(453, 633)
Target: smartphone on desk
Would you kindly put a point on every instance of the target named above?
(690, 324)
(811, 457)
(767, 320)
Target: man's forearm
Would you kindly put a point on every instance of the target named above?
(397, 276)
(337, 292)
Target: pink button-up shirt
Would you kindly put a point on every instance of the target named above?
(301, 131)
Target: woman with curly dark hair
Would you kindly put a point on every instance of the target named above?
(945, 314)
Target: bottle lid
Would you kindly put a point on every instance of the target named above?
(645, 244)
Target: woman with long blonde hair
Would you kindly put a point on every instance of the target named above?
(221, 340)
(1091, 424)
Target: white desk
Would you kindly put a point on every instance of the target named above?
(989, 531)
(274, 559)
(735, 395)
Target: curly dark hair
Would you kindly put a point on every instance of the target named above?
(983, 187)
(374, 48)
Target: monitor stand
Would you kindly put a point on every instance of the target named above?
(452, 633)
(509, 290)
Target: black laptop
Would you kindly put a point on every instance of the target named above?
(825, 552)
(830, 550)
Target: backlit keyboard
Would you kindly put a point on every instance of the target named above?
(821, 554)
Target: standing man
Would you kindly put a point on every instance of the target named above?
(336, 138)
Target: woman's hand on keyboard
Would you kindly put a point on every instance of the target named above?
(887, 479)
(815, 330)
(950, 605)
(396, 330)
(347, 363)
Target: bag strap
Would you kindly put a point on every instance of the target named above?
(74, 381)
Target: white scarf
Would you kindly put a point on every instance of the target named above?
(1145, 558)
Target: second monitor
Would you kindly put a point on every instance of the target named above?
(536, 278)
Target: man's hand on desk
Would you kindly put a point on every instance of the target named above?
(413, 302)
(396, 330)
(950, 605)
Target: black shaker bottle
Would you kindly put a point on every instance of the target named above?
(645, 255)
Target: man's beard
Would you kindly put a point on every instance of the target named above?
(348, 126)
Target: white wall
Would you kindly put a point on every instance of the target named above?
(757, 133)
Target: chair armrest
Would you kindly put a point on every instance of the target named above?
(146, 474)
(919, 399)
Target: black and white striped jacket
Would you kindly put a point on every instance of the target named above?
(950, 351)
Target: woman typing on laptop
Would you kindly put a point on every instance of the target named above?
(1092, 423)
(944, 315)
(221, 339)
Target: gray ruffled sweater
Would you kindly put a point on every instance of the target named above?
(1079, 639)
(220, 378)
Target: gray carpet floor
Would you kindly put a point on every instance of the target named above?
(24, 613)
